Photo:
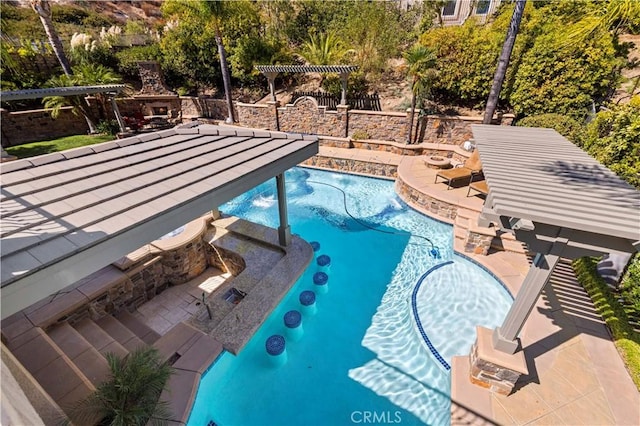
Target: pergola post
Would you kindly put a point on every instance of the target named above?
(271, 78)
(344, 78)
(116, 112)
(284, 230)
(505, 337)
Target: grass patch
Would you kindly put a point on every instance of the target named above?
(626, 339)
(55, 145)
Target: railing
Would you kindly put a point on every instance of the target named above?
(364, 102)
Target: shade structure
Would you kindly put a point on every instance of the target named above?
(66, 215)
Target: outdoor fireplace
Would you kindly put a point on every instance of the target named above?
(155, 98)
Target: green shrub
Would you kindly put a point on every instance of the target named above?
(630, 286)
(357, 85)
(108, 127)
(360, 135)
(566, 126)
(613, 138)
(68, 14)
(128, 58)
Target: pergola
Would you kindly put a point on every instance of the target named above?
(272, 71)
(558, 200)
(66, 215)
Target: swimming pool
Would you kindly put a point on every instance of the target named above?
(365, 355)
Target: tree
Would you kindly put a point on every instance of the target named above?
(503, 61)
(421, 62)
(131, 394)
(613, 138)
(611, 15)
(84, 75)
(43, 9)
(322, 49)
(211, 13)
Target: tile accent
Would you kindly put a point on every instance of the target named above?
(414, 308)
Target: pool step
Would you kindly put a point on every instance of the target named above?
(47, 363)
(100, 339)
(120, 333)
(87, 358)
(138, 327)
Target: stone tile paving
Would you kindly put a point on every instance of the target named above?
(180, 302)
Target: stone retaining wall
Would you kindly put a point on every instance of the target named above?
(353, 166)
(37, 125)
(413, 196)
(305, 116)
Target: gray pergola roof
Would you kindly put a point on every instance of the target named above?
(18, 95)
(536, 175)
(66, 215)
(307, 68)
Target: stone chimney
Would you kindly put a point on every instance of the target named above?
(152, 82)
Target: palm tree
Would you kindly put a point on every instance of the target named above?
(212, 12)
(42, 8)
(84, 75)
(614, 15)
(503, 61)
(421, 62)
(131, 394)
(322, 49)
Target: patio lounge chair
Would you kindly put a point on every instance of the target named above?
(470, 169)
(480, 186)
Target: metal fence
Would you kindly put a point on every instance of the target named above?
(363, 102)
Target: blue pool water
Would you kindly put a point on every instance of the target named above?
(364, 356)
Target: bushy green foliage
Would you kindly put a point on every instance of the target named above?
(466, 58)
(548, 73)
(357, 85)
(108, 127)
(630, 285)
(128, 58)
(566, 126)
(556, 76)
(613, 138)
(130, 394)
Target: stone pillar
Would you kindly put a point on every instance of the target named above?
(493, 369)
(284, 230)
(477, 242)
(343, 116)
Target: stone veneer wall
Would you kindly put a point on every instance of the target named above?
(37, 125)
(433, 205)
(225, 260)
(353, 166)
(260, 116)
(477, 243)
(305, 116)
(139, 277)
(201, 106)
(185, 263)
(391, 126)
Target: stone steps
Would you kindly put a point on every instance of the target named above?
(100, 339)
(120, 333)
(41, 356)
(87, 358)
(139, 328)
